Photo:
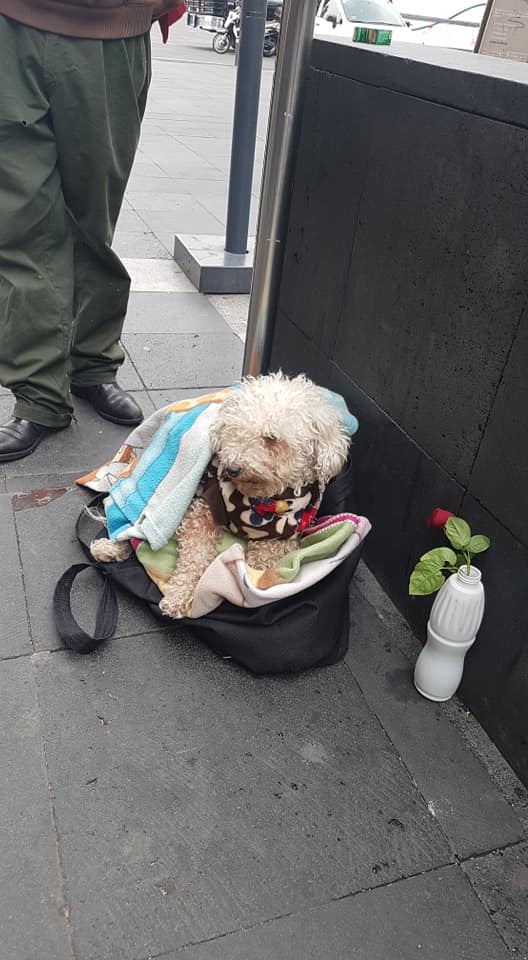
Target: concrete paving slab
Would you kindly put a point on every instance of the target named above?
(458, 790)
(144, 193)
(53, 522)
(212, 800)
(500, 881)
(157, 202)
(14, 631)
(188, 360)
(152, 275)
(127, 377)
(172, 166)
(430, 917)
(187, 216)
(161, 398)
(234, 309)
(129, 222)
(223, 164)
(41, 483)
(147, 169)
(199, 126)
(141, 181)
(83, 445)
(219, 146)
(6, 409)
(217, 206)
(164, 149)
(145, 245)
(33, 918)
(172, 313)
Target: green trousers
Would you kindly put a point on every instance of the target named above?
(70, 116)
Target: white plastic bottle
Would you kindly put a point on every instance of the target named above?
(455, 618)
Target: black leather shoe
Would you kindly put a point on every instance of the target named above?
(19, 438)
(111, 403)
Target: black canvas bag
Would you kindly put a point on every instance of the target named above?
(307, 630)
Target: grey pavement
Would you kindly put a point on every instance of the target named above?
(158, 801)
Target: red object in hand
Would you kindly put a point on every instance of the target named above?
(439, 518)
(169, 18)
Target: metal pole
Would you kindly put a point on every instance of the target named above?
(249, 71)
(297, 26)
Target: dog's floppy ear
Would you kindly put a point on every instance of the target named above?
(330, 441)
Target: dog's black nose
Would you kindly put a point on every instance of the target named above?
(232, 472)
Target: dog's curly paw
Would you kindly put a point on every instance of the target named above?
(108, 551)
(171, 608)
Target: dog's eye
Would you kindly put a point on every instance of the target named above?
(269, 438)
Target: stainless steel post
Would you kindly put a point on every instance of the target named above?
(247, 96)
(297, 26)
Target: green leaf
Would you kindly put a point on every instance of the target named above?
(440, 556)
(478, 544)
(425, 579)
(458, 532)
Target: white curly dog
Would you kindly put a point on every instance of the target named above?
(276, 441)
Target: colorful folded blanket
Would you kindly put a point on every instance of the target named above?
(321, 548)
(153, 477)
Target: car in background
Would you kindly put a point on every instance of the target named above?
(452, 23)
(340, 18)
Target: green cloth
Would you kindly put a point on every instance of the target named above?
(70, 116)
(315, 546)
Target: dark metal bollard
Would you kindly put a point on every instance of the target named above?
(249, 70)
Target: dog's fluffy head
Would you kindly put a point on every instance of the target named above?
(275, 432)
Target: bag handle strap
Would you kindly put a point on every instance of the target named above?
(72, 635)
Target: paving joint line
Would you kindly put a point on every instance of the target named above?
(22, 576)
(299, 913)
(65, 909)
(490, 915)
(487, 853)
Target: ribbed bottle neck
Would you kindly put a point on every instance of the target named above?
(472, 578)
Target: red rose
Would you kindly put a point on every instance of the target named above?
(439, 518)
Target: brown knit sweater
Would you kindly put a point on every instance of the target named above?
(95, 19)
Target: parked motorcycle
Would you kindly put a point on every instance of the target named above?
(226, 39)
(271, 39)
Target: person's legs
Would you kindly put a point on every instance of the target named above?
(97, 98)
(36, 242)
